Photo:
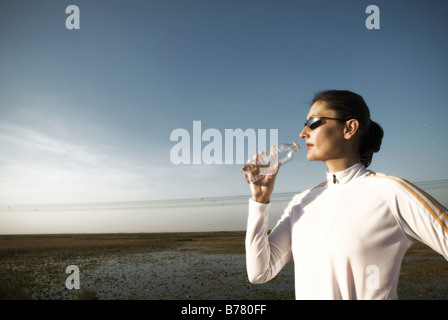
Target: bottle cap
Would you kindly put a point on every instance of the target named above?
(295, 145)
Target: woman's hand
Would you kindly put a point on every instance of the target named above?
(262, 188)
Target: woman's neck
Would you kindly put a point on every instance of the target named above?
(336, 165)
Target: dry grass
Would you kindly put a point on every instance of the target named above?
(15, 286)
(31, 250)
(86, 294)
(424, 273)
(20, 246)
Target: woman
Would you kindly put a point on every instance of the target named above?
(348, 235)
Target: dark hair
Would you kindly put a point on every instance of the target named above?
(350, 105)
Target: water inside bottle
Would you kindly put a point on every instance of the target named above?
(256, 169)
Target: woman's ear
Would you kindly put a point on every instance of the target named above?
(351, 127)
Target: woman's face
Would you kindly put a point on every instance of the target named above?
(326, 142)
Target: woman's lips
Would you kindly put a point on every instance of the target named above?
(308, 146)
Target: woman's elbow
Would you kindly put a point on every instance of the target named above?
(256, 278)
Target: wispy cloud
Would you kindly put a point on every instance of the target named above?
(38, 168)
(31, 142)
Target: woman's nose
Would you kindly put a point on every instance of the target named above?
(304, 134)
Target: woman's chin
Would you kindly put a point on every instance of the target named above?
(310, 156)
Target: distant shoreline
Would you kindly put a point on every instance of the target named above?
(120, 233)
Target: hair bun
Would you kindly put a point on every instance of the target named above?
(372, 144)
(376, 133)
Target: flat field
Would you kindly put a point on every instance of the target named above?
(168, 266)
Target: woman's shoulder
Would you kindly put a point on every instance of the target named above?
(383, 177)
(385, 180)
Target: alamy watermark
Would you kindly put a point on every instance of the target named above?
(72, 22)
(73, 280)
(373, 278)
(213, 147)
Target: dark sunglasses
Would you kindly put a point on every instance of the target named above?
(313, 123)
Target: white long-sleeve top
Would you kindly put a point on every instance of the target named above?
(347, 236)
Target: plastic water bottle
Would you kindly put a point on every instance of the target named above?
(285, 153)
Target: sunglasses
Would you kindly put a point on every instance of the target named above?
(315, 122)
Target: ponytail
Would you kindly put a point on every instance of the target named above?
(371, 143)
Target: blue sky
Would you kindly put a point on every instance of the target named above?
(86, 115)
